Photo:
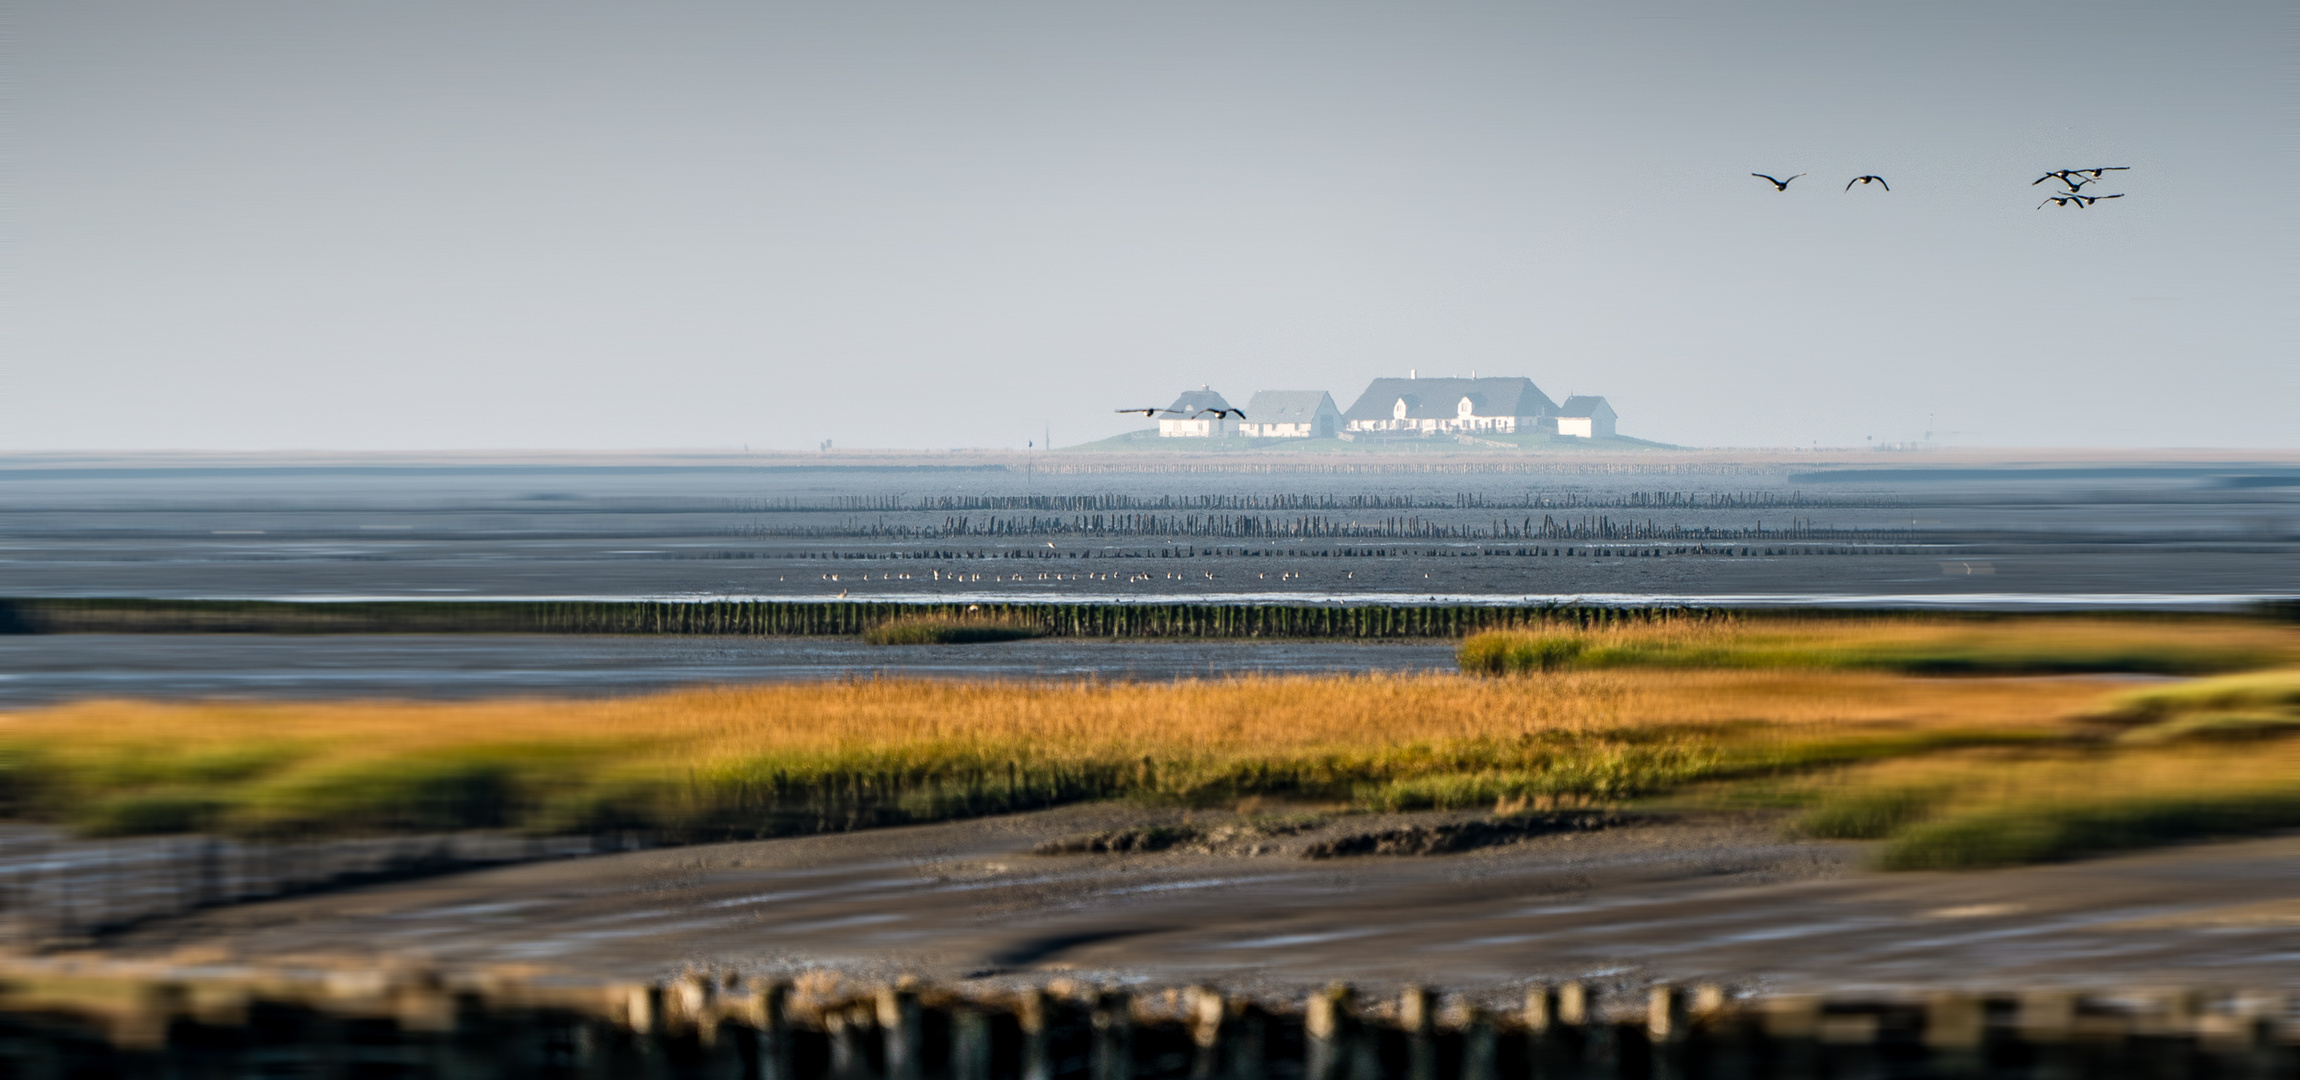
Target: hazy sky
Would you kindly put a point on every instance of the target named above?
(588, 225)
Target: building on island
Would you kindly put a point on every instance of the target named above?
(1412, 406)
(1291, 414)
(1585, 416)
(1392, 408)
(1191, 417)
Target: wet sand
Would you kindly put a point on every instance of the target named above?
(1714, 897)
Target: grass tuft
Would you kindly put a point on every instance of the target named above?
(950, 630)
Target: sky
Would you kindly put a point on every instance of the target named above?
(575, 225)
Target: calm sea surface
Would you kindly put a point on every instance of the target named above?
(2179, 535)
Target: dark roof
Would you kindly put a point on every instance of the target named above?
(1191, 402)
(1583, 405)
(1287, 406)
(1440, 399)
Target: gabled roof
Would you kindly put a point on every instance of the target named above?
(1288, 406)
(1583, 405)
(1192, 402)
(1438, 399)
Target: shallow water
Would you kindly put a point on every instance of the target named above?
(43, 669)
(1715, 532)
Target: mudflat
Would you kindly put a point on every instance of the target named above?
(1239, 900)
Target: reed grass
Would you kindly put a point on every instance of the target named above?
(1944, 772)
(1914, 645)
(769, 760)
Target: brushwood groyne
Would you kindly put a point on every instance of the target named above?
(57, 1021)
(1347, 620)
(804, 617)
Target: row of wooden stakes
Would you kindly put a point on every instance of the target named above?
(66, 1023)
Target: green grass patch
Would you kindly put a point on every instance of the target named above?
(2051, 832)
(1913, 646)
(152, 813)
(2260, 691)
(950, 630)
(1870, 815)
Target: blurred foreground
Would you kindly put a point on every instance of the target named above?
(1698, 947)
(1619, 812)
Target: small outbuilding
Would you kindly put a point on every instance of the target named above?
(1291, 414)
(1586, 416)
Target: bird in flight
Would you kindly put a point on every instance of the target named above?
(2080, 201)
(1224, 413)
(2076, 178)
(1778, 185)
(1146, 412)
(1877, 180)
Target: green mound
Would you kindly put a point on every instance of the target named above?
(949, 630)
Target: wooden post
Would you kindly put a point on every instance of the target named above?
(898, 1017)
(1325, 1026)
(1035, 1013)
(1414, 1021)
(844, 1026)
(1665, 1029)
(1588, 1039)
(1720, 1034)
(1541, 1034)
(1479, 1047)
(643, 1008)
(1112, 1056)
(969, 1043)
(2242, 1037)
(1248, 1039)
(696, 996)
(1955, 1025)
(2047, 1019)
(144, 1027)
(471, 1053)
(1205, 1017)
(757, 1018)
(1792, 1024)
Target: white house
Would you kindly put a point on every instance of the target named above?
(1585, 416)
(1291, 414)
(1191, 417)
(1449, 406)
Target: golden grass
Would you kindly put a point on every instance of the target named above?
(788, 757)
(1914, 644)
(1950, 772)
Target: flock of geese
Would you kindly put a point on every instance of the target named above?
(1223, 413)
(2073, 179)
